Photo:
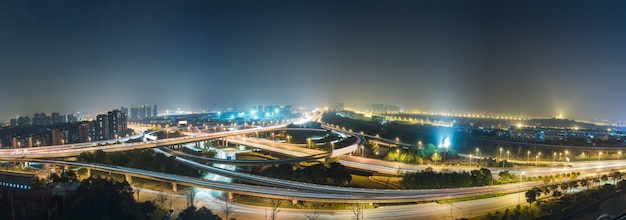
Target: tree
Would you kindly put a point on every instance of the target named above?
(274, 206)
(358, 211)
(313, 216)
(193, 213)
(228, 207)
(191, 197)
(435, 157)
(546, 180)
(66, 176)
(161, 198)
(616, 176)
(504, 175)
(339, 174)
(604, 178)
(531, 196)
(137, 189)
(104, 199)
(584, 183)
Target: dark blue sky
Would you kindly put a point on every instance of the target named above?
(525, 57)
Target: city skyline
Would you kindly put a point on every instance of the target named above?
(533, 58)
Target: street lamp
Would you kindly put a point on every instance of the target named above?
(519, 187)
(500, 153)
(599, 156)
(536, 159)
(477, 152)
(508, 154)
(527, 157)
(470, 160)
(554, 158)
(619, 153)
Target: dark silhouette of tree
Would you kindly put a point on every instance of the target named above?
(104, 199)
(339, 174)
(66, 176)
(531, 196)
(193, 213)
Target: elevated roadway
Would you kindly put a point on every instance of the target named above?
(283, 189)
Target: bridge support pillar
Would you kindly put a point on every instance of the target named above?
(294, 201)
(174, 188)
(231, 196)
(129, 178)
(88, 172)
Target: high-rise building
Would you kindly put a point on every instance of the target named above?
(148, 112)
(142, 112)
(71, 118)
(23, 121)
(101, 127)
(134, 113)
(56, 118)
(124, 110)
(58, 136)
(154, 111)
(39, 119)
(85, 131)
(117, 123)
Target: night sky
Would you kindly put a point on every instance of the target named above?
(538, 58)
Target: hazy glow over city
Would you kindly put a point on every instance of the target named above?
(513, 58)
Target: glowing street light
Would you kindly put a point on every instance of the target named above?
(519, 187)
(508, 154)
(527, 157)
(599, 156)
(477, 152)
(619, 153)
(500, 153)
(470, 160)
(536, 160)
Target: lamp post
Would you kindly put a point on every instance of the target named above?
(477, 152)
(554, 157)
(500, 153)
(536, 160)
(470, 160)
(519, 187)
(599, 156)
(527, 157)
(619, 153)
(508, 154)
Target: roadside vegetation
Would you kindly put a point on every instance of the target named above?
(145, 159)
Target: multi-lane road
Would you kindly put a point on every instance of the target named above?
(300, 191)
